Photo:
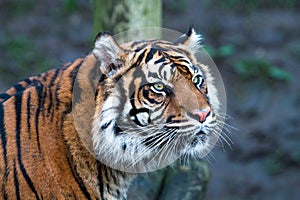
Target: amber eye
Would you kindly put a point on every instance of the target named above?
(158, 87)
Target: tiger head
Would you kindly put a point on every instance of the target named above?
(155, 103)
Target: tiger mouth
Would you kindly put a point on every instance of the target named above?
(200, 137)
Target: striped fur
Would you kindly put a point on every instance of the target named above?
(41, 153)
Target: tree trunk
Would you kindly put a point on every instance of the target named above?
(116, 16)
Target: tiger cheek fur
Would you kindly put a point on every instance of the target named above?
(139, 100)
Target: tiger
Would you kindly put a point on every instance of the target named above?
(151, 95)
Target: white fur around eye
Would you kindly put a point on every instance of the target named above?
(143, 118)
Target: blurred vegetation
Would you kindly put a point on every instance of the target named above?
(280, 161)
(294, 50)
(70, 6)
(175, 7)
(261, 69)
(223, 51)
(25, 59)
(249, 68)
(250, 5)
(18, 8)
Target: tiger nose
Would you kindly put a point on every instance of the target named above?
(201, 114)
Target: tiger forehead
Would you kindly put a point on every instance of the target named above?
(163, 57)
(161, 60)
(157, 45)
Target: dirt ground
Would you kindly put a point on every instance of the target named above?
(264, 160)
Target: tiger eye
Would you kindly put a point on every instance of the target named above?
(158, 86)
(195, 79)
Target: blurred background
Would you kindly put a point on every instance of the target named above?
(256, 46)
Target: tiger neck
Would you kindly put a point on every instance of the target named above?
(108, 183)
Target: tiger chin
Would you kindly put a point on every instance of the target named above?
(154, 103)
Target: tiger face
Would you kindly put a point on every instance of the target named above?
(156, 103)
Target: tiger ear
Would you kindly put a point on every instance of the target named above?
(191, 39)
(108, 53)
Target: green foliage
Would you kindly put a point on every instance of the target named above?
(261, 68)
(221, 52)
(25, 58)
(70, 6)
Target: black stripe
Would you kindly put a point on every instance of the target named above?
(134, 112)
(50, 92)
(176, 57)
(16, 182)
(140, 58)
(141, 47)
(43, 100)
(106, 175)
(57, 101)
(18, 87)
(103, 127)
(179, 121)
(162, 112)
(4, 96)
(28, 115)
(4, 150)
(39, 90)
(137, 73)
(182, 66)
(101, 190)
(117, 130)
(75, 70)
(183, 60)
(3, 134)
(108, 189)
(27, 80)
(160, 71)
(79, 180)
(150, 55)
(170, 118)
(162, 59)
(18, 107)
(118, 194)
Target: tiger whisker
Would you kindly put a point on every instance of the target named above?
(151, 147)
(164, 147)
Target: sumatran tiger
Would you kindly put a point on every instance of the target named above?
(152, 97)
